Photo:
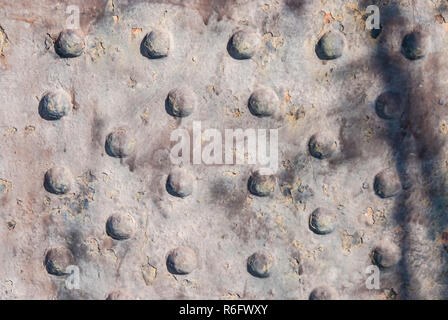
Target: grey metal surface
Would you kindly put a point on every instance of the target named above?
(113, 85)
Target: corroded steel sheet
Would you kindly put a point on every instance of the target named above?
(86, 179)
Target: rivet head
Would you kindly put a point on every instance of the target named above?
(120, 143)
(180, 183)
(156, 44)
(70, 44)
(323, 293)
(385, 255)
(389, 106)
(322, 221)
(119, 295)
(414, 45)
(259, 264)
(322, 145)
(263, 102)
(261, 185)
(120, 226)
(387, 183)
(181, 102)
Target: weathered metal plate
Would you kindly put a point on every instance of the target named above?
(398, 222)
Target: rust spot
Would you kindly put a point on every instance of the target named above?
(328, 18)
(135, 31)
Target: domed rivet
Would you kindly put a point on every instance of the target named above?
(55, 104)
(387, 183)
(330, 46)
(180, 183)
(70, 44)
(259, 264)
(261, 185)
(414, 45)
(156, 44)
(181, 261)
(243, 44)
(322, 221)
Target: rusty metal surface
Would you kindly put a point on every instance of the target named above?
(376, 168)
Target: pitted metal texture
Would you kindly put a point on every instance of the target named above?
(86, 177)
